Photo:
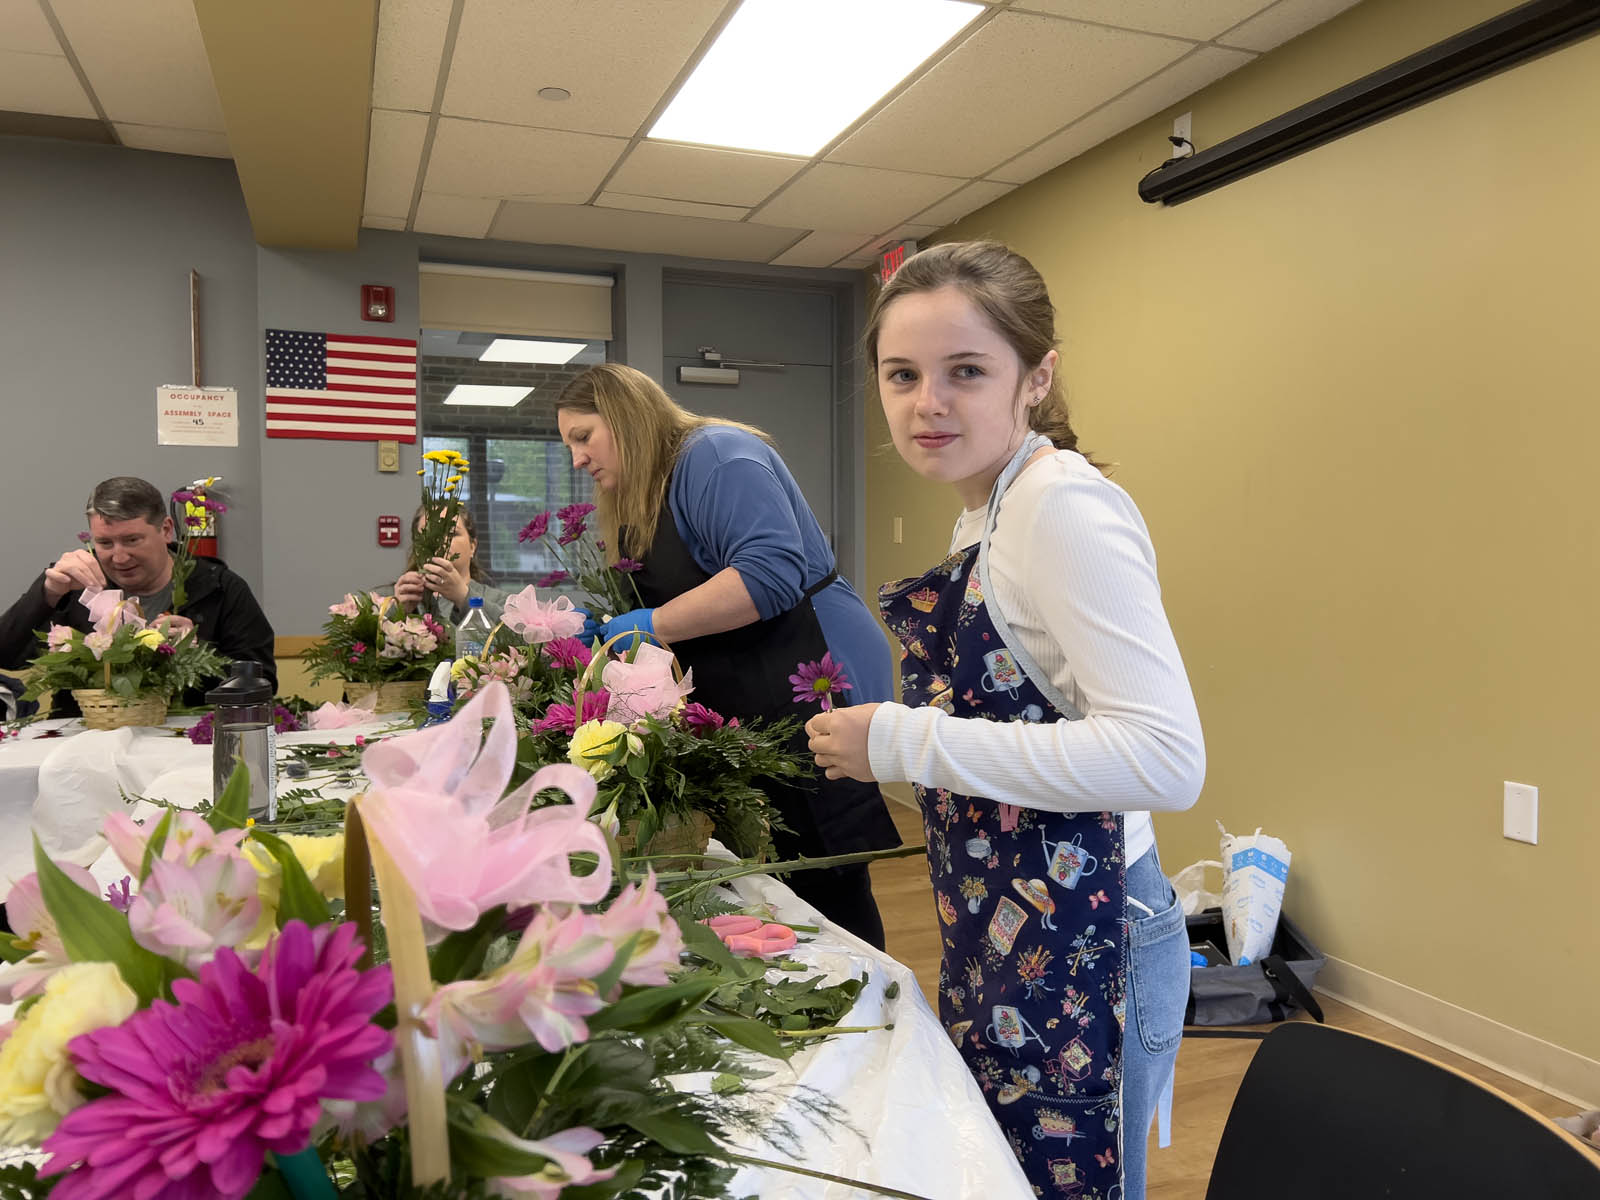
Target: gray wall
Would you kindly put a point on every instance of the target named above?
(95, 247)
(96, 244)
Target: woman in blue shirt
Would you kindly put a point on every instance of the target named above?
(738, 580)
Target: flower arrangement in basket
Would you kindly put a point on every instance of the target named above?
(607, 587)
(214, 1027)
(372, 645)
(125, 670)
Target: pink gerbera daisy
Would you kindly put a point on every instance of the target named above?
(816, 682)
(535, 529)
(203, 1089)
(563, 718)
(566, 653)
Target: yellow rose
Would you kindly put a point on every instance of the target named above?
(591, 743)
(149, 638)
(37, 1083)
(462, 665)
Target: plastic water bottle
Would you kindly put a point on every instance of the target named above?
(473, 631)
(243, 731)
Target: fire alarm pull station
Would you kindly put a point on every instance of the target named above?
(388, 531)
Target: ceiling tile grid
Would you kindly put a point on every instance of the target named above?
(1198, 21)
(838, 198)
(1285, 20)
(42, 83)
(23, 29)
(642, 232)
(394, 155)
(702, 173)
(682, 208)
(411, 39)
(513, 161)
(146, 61)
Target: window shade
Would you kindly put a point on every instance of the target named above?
(532, 303)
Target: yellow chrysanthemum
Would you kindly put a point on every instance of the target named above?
(449, 487)
(453, 479)
(438, 456)
(37, 1083)
(421, 471)
(464, 469)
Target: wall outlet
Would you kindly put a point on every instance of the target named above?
(1181, 128)
(1522, 812)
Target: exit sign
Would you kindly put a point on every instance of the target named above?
(894, 258)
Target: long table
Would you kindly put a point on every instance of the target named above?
(914, 1118)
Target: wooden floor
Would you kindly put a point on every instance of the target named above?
(1209, 1070)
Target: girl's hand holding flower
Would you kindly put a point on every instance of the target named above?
(838, 741)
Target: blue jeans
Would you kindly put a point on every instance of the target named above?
(1158, 991)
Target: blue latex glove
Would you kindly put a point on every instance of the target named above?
(641, 621)
(591, 627)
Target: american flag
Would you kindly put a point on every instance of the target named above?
(329, 385)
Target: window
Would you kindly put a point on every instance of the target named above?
(519, 466)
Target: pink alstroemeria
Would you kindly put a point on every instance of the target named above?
(189, 839)
(541, 995)
(640, 912)
(436, 806)
(645, 687)
(33, 926)
(189, 911)
(59, 637)
(540, 621)
(569, 1165)
(345, 608)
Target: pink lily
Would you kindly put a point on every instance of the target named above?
(189, 839)
(644, 687)
(436, 806)
(33, 925)
(540, 621)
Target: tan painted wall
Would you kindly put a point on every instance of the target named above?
(1355, 398)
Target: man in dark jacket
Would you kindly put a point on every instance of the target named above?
(130, 536)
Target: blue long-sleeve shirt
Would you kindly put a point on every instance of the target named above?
(735, 504)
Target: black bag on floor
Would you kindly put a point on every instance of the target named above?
(1262, 991)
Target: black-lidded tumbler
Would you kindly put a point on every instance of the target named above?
(244, 732)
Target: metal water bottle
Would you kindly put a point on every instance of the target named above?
(244, 732)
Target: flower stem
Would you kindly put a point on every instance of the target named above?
(875, 1189)
(701, 879)
(830, 1030)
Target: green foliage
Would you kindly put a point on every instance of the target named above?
(363, 644)
(20, 1181)
(137, 661)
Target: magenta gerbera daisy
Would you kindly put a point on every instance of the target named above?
(535, 529)
(239, 1066)
(816, 682)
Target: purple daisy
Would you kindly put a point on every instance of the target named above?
(550, 580)
(573, 512)
(203, 1089)
(816, 682)
(535, 529)
(562, 717)
(571, 533)
(566, 653)
(628, 565)
(284, 721)
(203, 731)
(700, 720)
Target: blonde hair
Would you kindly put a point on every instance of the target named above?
(648, 428)
(1010, 292)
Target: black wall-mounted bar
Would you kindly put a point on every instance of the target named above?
(1511, 38)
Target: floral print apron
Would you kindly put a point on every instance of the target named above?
(1031, 904)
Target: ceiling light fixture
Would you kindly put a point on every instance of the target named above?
(524, 350)
(787, 78)
(488, 395)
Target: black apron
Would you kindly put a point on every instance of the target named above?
(745, 673)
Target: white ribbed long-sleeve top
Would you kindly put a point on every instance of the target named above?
(1073, 573)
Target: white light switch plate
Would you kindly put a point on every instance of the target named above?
(1522, 812)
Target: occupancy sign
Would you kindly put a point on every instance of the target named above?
(191, 416)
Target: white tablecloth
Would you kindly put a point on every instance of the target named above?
(917, 1119)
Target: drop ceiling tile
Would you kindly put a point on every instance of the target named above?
(645, 233)
(682, 208)
(858, 264)
(818, 250)
(371, 221)
(1172, 86)
(457, 216)
(952, 208)
(1284, 20)
(845, 199)
(1201, 20)
(24, 30)
(546, 165)
(701, 173)
(146, 61)
(394, 153)
(911, 231)
(41, 83)
(616, 57)
(202, 143)
(1018, 79)
(405, 70)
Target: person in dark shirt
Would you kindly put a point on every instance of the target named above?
(130, 548)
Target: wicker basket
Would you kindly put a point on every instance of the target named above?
(392, 697)
(677, 835)
(107, 710)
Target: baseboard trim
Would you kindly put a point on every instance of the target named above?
(1531, 1060)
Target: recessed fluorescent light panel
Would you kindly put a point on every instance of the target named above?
(785, 76)
(527, 350)
(488, 395)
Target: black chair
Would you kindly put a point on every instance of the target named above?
(1324, 1114)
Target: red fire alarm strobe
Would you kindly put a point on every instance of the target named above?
(377, 302)
(388, 531)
